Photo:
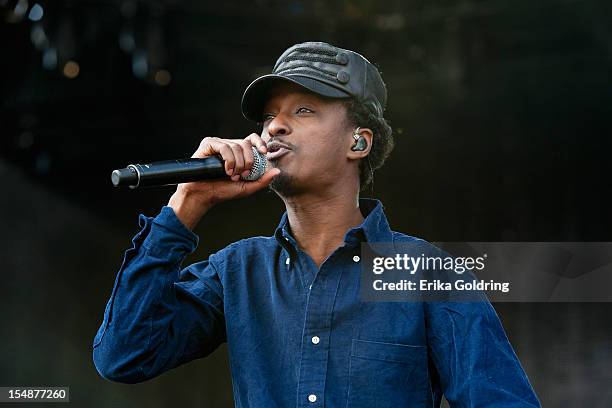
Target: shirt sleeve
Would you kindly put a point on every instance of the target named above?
(159, 315)
(476, 364)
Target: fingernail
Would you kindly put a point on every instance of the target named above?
(236, 177)
(262, 149)
(245, 173)
(230, 171)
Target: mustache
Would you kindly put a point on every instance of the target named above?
(281, 143)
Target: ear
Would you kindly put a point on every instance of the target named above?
(367, 134)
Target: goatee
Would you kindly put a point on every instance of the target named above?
(283, 185)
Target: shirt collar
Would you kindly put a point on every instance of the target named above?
(374, 227)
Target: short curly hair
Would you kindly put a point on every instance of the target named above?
(358, 114)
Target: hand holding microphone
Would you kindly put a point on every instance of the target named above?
(238, 158)
(212, 166)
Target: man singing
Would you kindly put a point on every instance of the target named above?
(289, 305)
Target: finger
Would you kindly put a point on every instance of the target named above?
(210, 146)
(239, 157)
(247, 152)
(227, 154)
(252, 186)
(258, 142)
(205, 148)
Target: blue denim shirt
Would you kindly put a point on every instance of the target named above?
(298, 335)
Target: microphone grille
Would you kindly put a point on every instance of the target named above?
(259, 166)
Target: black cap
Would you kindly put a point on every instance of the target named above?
(323, 69)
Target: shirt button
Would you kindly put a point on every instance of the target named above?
(315, 339)
(356, 258)
(312, 398)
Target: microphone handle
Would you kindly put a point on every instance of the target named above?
(170, 172)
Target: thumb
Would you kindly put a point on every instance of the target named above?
(253, 186)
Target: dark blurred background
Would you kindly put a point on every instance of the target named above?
(502, 113)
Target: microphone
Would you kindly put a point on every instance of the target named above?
(171, 172)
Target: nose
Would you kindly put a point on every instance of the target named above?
(278, 126)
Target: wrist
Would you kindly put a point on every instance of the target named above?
(188, 208)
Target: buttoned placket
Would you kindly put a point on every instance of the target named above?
(320, 299)
(317, 326)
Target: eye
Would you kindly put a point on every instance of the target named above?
(304, 110)
(267, 116)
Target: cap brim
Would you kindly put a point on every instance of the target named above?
(257, 92)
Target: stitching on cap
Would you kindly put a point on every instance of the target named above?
(309, 58)
(318, 71)
(314, 50)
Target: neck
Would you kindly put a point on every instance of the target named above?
(320, 222)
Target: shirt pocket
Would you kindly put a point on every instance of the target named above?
(387, 375)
